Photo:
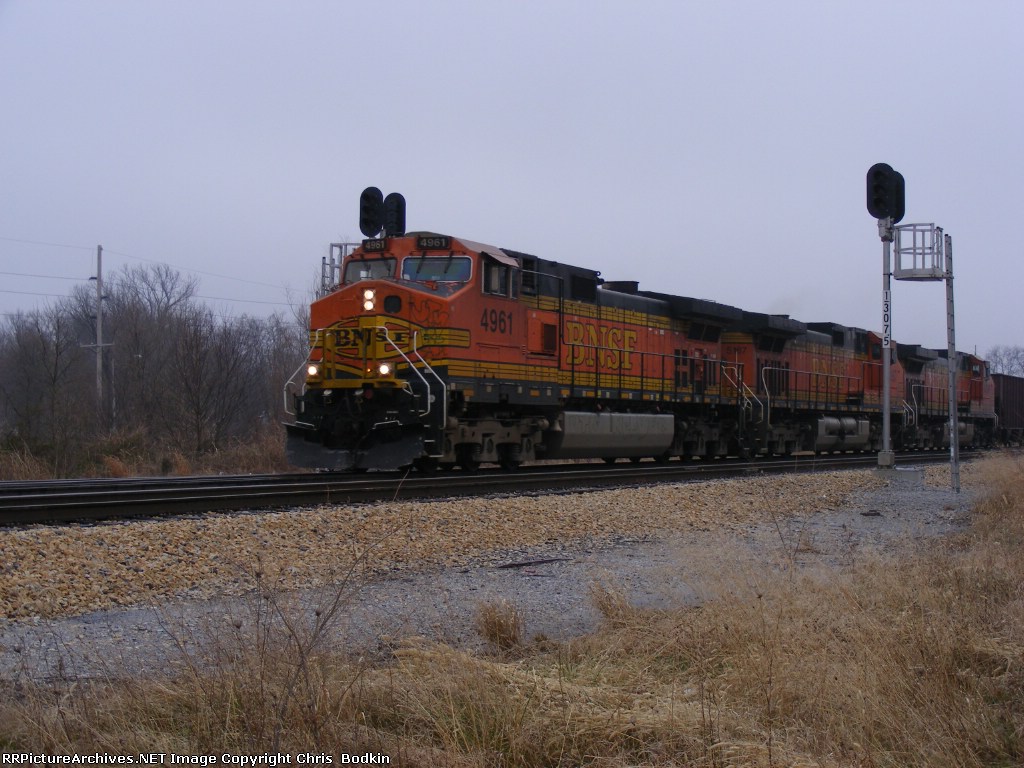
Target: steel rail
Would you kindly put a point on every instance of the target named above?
(23, 503)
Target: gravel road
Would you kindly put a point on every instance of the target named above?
(124, 598)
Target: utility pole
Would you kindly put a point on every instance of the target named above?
(101, 420)
(99, 334)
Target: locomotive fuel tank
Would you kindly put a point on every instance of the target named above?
(583, 435)
(841, 433)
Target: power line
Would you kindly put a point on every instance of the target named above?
(30, 293)
(246, 301)
(290, 305)
(83, 279)
(138, 258)
(197, 271)
(46, 277)
(197, 296)
(53, 245)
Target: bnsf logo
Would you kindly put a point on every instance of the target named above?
(356, 338)
(592, 344)
(379, 343)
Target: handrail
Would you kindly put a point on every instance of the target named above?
(284, 391)
(416, 351)
(426, 386)
(908, 410)
(444, 398)
(742, 388)
(796, 373)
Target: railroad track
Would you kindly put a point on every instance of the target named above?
(23, 503)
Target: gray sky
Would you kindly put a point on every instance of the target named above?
(707, 149)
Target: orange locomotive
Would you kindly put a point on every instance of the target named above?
(433, 350)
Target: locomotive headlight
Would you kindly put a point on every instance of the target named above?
(384, 369)
(369, 299)
(313, 370)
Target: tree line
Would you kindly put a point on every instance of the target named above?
(177, 380)
(180, 384)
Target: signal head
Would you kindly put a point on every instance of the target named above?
(394, 214)
(899, 206)
(885, 192)
(371, 211)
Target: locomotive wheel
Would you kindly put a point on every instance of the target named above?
(509, 457)
(466, 458)
(426, 465)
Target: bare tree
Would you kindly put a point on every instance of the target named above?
(46, 388)
(285, 346)
(175, 374)
(144, 307)
(218, 378)
(1006, 359)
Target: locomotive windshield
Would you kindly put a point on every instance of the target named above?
(368, 269)
(439, 269)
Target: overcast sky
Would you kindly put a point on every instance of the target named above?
(707, 149)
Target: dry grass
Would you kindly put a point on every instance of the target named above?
(260, 680)
(501, 623)
(131, 453)
(20, 464)
(263, 452)
(911, 662)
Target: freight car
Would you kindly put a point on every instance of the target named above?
(433, 350)
(1009, 405)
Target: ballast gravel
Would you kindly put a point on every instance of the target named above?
(75, 598)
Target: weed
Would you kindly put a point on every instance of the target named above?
(501, 624)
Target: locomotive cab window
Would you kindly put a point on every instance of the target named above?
(437, 269)
(500, 279)
(368, 269)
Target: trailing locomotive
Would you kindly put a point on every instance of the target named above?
(432, 350)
